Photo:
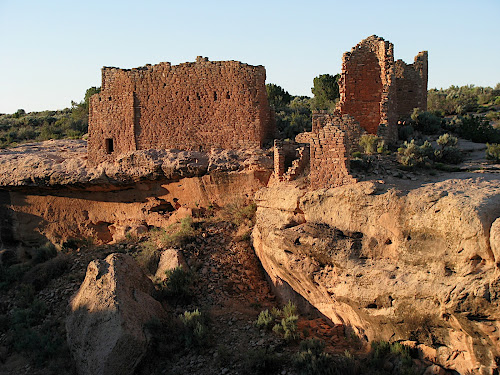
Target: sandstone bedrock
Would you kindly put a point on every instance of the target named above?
(418, 265)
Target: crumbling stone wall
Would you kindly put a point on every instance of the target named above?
(191, 106)
(410, 85)
(330, 144)
(329, 157)
(377, 91)
(345, 123)
(291, 159)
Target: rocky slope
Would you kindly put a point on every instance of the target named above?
(417, 265)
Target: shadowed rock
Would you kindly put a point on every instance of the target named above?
(105, 329)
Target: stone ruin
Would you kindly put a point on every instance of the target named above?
(190, 106)
(375, 93)
(223, 104)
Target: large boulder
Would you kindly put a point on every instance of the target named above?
(419, 265)
(105, 329)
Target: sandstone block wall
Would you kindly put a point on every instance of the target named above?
(329, 160)
(377, 91)
(191, 106)
(330, 144)
(345, 123)
(410, 85)
(291, 159)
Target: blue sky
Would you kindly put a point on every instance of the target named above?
(51, 51)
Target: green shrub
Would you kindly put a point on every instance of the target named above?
(40, 344)
(474, 128)
(283, 322)
(369, 143)
(382, 148)
(149, 253)
(195, 330)
(12, 274)
(493, 151)
(177, 234)
(25, 295)
(289, 309)
(357, 155)
(493, 116)
(381, 350)
(312, 360)
(177, 284)
(294, 117)
(44, 253)
(167, 336)
(449, 155)
(425, 122)
(411, 155)
(30, 316)
(447, 140)
(239, 213)
(262, 362)
(265, 319)
(448, 152)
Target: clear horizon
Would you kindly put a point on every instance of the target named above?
(53, 51)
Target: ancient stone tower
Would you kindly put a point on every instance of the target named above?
(191, 106)
(376, 90)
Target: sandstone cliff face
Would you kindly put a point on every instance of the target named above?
(393, 265)
(51, 194)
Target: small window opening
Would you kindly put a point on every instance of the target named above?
(109, 98)
(227, 95)
(187, 98)
(109, 145)
(215, 96)
(198, 96)
(200, 148)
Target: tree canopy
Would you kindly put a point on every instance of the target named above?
(326, 91)
(277, 96)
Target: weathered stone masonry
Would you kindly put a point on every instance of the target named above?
(377, 91)
(191, 106)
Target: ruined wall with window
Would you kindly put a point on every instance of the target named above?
(377, 91)
(190, 106)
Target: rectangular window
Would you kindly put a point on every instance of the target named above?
(109, 145)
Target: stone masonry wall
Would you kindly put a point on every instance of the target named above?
(191, 106)
(291, 159)
(411, 85)
(377, 91)
(329, 157)
(331, 141)
(345, 123)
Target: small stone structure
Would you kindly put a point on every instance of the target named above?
(191, 106)
(324, 151)
(291, 159)
(375, 92)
